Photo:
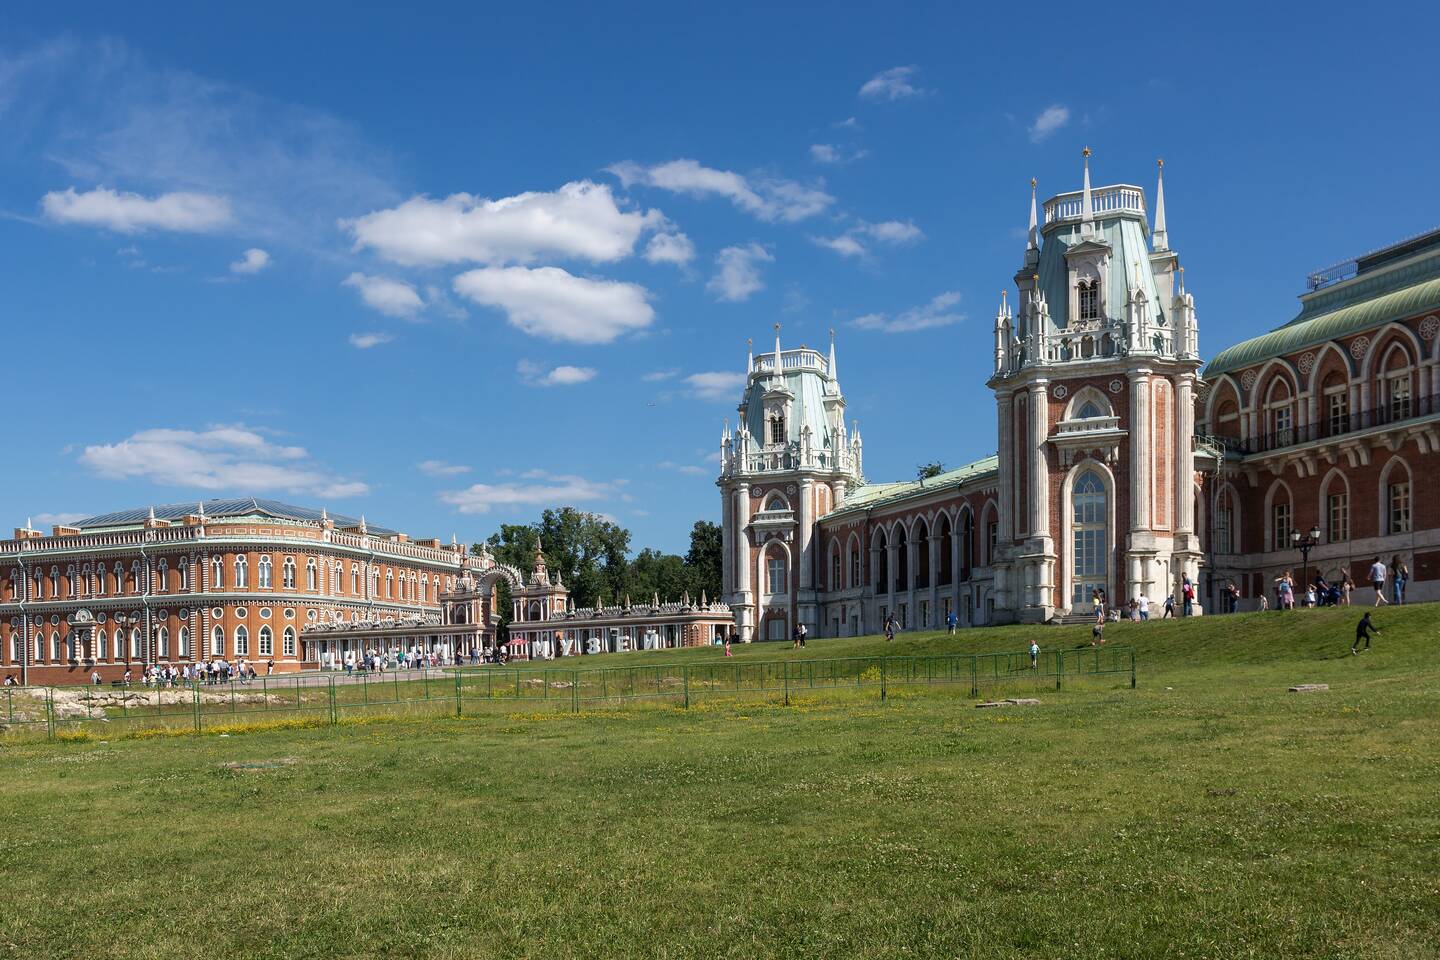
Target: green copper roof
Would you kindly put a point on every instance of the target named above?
(1347, 308)
(874, 494)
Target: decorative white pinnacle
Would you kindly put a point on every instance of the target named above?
(833, 375)
(1161, 241)
(1034, 243)
(777, 349)
(1087, 208)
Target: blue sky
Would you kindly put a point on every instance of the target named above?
(447, 268)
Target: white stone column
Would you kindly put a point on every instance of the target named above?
(1141, 466)
(804, 540)
(1184, 455)
(1004, 406)
(1039, 486)
(933, 546)
(727, 546)
(746, 618)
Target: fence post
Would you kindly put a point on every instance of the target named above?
(459, 694)
(882, 678)
(49, 713)
(196, 692)
(334, 716)
(974, 675)
(1059, 668)
(686, 671)
(1132, 668)
(785, 666)
(574, 691)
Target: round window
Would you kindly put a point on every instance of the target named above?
(217, 613)
(264, 613)
(100, 617)
(289, 614)
(241, 612)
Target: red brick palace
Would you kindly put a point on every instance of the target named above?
(1121, 466)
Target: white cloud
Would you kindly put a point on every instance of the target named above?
(253, 261)
(132, 213)
(439, 468)
(395, 298)
(235, 457)
(364, 341)
(720, 385)
(656, 375)
(830, 153)
(562, 376)
(769, 199)
(1052, 118)
(580, 220)
(890, 232)
(936, 313)
(737, 273)
(673, 248)
(555, 490)
(63, 519)
(892, 84)
(689, 469)
(549, 302)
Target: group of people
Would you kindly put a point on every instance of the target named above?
(379, 661)
(1138, 609)
(1387, 580)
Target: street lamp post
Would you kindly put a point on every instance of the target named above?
(1305, 542)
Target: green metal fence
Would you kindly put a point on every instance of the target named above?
(54, 712)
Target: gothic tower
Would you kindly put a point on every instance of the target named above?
(788, 462)
(1094, 379)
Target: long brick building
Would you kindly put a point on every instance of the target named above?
(1120, 465)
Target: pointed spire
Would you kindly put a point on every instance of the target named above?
(200, 509)
(1182, 281)
(833, 375)
(777, 350)
(1034, 243)
(363, 527)
(1161, 241)
(704, 598)
(749, 355)
(1087, 207)
(152, 515)
(28, 527)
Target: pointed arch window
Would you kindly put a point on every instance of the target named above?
(1089, 410)
(162, 643)
(183, 639)
(102, 642)
(775, 579)
(1397, 498)
(242, 642)
(242, 572)
(217, 642)
(288, 642)
(217, 574)
(184, 571)
(311, 580)
(264, 573)
(355, 579)
(777, 428)
(162, 576)
(267, 642)
(1089, 291)
(1090, 530)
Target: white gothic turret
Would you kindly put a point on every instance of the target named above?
(1087, 206)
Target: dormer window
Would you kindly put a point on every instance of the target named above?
(1089, 300)
(777, 428)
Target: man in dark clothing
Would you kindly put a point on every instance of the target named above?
(1362, 632)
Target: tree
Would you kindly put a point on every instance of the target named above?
(705, 559)
(585, 549)
(932, 469)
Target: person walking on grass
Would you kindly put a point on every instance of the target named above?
(1399, 576)
(1377, 580)
(951, 621)
(1187, 595)
(1362, 632)
(804, 632)
(1169, 607)
(891, 624)
(1097, 634)
(729, 638)
(1144, 603)
(1347, 586)
(1034, 655)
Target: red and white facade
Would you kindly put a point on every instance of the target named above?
(235, 579)
(1120, 467)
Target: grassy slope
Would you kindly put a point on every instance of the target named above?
(1208, 813)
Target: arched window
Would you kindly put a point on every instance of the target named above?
(1089, 299)
(882, 564)
(967, 545)
(162, 643)
(119, 644)
(856, 571)
(55, 582)
(184, 571)
(1089, 521)
(1282, 517)
(1089, 410)
(1279, 414)
(217, 642)
(86, 587)
(217, 574)
(287, 573)
(267, 642)
(355, 579)
(162, 576)
(776, 424)
(389, 584)
(947, 548)
(242, 642)
(922, 556)
(1225, 522)
(183, 638)
(311, 580)
(1335, 498)
(100, 590)
(374, 581)
(902, 559)
(335, 578)
(288, 642)
(119, 578)
(835, 566)
(135, 644)
(776, 582)
(423, 584)
(101, 644)
(242, 572)
(1397, 498)
(264, 573)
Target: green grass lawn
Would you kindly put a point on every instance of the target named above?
(1208, 813)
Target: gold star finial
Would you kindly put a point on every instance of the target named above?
(1160, 162)
(1086, 152)
(1032, 183)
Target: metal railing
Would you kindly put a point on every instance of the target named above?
(57, 712)
(1355, 422)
